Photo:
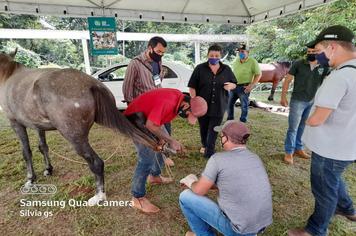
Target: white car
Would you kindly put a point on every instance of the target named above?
(175, 76)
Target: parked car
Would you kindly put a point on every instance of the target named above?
(175, 76)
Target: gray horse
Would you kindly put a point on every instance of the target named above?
(66, 100)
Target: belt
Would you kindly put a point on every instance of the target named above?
(245, 84)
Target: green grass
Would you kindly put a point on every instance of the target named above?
(292, 198)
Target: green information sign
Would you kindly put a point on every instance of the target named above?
(102, 35)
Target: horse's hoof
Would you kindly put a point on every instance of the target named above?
(99, 197)
(270, 99)
(47, 172)
(29, 184)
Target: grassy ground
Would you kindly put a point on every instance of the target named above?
(292, 199)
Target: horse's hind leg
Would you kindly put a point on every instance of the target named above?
(21, 132)
(43, 147)
(96, 165)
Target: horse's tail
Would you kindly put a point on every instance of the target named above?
(108, 115)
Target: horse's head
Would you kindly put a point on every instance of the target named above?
(7, 65)
(285, 65)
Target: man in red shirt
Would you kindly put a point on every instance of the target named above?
(159, 106)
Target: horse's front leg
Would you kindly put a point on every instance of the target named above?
(21, 132)
(273, 90)
(43, 147)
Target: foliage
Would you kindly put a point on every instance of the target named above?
(23, 56)
(285, 38)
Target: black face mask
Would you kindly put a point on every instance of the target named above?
(311, 57)
(183, 113)
(154, 56)
(223, 143)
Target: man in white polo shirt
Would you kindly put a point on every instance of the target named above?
(331, 131)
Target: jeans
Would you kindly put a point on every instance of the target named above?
(168, 127)
(149, 162)
(207, 134)
(204, 215)
(329, 192)
(298, 114)
(238, 93)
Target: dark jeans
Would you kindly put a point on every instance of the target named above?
(207, 134)
(238, 93)
(329, 191)
(168, 127)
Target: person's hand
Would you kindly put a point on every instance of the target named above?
(248, 88)
(229, 86)
(175, 145)
(189, 180)
(284, 101)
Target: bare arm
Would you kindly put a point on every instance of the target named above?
(319, 116)
(156, 130)
(202, 186)
(192, 92)
(285, 87)
(255, 80)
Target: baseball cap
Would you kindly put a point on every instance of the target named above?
(335, 32)
(243, 46)
(310, 44)
(235, 130)
(198, 107)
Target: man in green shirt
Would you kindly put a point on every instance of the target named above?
(307, 76)
(247, 73)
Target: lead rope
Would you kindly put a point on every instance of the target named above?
(80, 162)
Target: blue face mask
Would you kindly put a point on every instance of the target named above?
(213, 61)
(242, 55)
(322, 59)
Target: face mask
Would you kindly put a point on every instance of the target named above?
(223, 143)
(183, 113)
(213, 61)
(242, 55)
(322, 59)
(311, 57)
(154, 56)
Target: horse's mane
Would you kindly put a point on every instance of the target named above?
(285, 63)
(7, 67)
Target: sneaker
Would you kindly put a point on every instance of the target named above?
(189, 233)
(349, 217)
(155, 180)
(288, 159)
(169, 162)
(144, 205)
(301, 154)
(202, 150)
(298, 232)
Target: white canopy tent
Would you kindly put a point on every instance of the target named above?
(240, 12)
(190, 11)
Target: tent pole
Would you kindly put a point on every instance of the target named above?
(86, 56)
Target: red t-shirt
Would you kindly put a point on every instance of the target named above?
(159, 105)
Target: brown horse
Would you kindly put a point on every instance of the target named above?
(274, 73)
(66, 100)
